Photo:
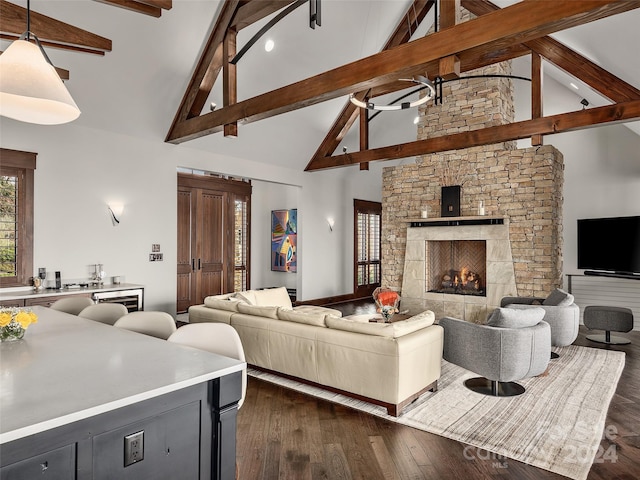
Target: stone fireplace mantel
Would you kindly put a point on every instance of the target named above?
(455, 221)
(500, 281)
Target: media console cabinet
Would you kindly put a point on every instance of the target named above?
(85, 400)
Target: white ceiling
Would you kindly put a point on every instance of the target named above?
(136, 89)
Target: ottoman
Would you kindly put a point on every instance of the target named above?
(609, 319)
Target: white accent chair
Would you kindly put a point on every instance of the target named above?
(155, 324)
(72, 305)
(107, 313)
(219, 338)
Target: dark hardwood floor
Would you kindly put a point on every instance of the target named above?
(283, 434)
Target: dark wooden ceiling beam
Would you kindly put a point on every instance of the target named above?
(414, 15)
(601, 80)
(234, 14)
(135, 6)
(229, 79)
(409, 22)
(449, 13)
(50, 32)
(471, 60)
(518, 23)
(207, 83)
(564, 122)
(164, 4)
(364, 134)
(198, 90)
(536, 92)
(250, 11)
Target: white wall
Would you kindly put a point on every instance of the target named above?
(79, 170)
(602, 164)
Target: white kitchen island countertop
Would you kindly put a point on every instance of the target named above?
(67, 368)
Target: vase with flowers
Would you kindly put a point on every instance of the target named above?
(386, 302)
(14, 322)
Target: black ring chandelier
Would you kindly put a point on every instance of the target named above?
(420, 80)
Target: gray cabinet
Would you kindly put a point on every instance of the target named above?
(58, 464)
(12, 303)
(188, 434)
(171, 444)
(47, 301)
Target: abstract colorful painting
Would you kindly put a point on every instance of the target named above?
(284, 235)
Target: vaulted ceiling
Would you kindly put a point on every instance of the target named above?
(496, 35)
(170, 60)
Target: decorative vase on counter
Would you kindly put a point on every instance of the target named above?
(450, 201)
(14, 323)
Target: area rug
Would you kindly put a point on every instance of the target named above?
(555, 425)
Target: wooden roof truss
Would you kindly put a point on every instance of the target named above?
(496, 35)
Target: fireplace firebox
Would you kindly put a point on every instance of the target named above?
(456, 267)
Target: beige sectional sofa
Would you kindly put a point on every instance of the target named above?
(386, 364)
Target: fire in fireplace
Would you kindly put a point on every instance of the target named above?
(463, 282)
(456, 267)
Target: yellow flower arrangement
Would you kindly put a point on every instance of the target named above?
(14, 322)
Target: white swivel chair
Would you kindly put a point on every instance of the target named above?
(107, 313)
(155, 324)
(72, 305)
(219, 338)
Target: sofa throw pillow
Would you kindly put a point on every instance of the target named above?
(390, 330)
(248, 296)
(515, 317)
(268, 312)
(274, 297)
(223, 302)
(558, 298)
(298, 317)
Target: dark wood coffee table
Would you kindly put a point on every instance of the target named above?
(377, 318)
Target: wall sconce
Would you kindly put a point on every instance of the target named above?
(331, 223)
(115, 210)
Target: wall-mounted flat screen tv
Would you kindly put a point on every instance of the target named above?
(609, 244)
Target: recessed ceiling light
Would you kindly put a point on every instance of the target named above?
(268, 45)
(573, 85)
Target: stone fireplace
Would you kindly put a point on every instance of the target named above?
(521, 191)
(483, 248)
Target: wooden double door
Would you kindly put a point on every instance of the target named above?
(206, 247)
